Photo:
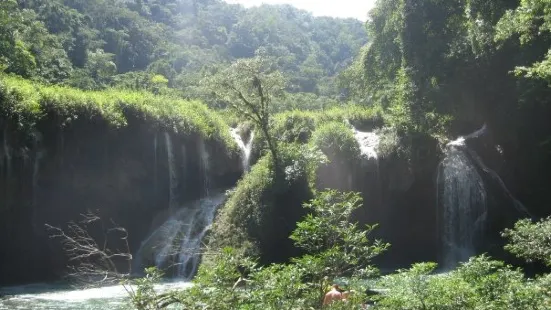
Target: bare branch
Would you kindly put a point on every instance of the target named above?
(93, 263)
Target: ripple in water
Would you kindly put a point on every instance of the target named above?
(44, 296)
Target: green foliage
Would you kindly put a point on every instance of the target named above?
(255, 80)
(335, 140)
(88, 44)
(231, 280)
(27, 48)
(480, 283)
(530, 240)
(304, 101)
(294, 126)
(299, 125)
(249, 86)
(336, 247)
(243, 210)
(145, 297)
(528, 21)
(329, 235)
(424, 61)
(249, 220)
(28, 102)
(214, 285)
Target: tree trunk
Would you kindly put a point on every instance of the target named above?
(272, 147)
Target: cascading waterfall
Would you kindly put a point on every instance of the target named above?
(39, 154)
(368, 142)
(183, 166)
(205, 166)
(196, 225)
(172, 173)
(155, 181)
(462, 199)
(177, 242)
(245, 148)
(6, 162)
(178, 239)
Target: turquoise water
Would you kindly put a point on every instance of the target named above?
(48, 296)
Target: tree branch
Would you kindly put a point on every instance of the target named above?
(92, 263)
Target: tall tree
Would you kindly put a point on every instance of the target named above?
(249, 86)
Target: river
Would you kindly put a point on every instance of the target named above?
(57, 296)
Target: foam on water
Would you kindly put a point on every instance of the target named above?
(368, 142)
(45, 296)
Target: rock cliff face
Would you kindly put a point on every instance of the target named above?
(54, 174)
(399, 195)
(51, 174)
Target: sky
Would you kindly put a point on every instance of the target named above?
(335, 8)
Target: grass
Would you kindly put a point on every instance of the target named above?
(28, 102)
(298, 126)
(336, 140)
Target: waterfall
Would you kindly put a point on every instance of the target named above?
(178, 239)
(197, 223)
(39, 154)
(177, 242)
(368, 142)
(172, 173)
(245, 148)
(155, 181)
(36, 168)
(7, 154)
(462, 197)
(204, 166)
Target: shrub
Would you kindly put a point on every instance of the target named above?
(530, 240)
(337, 141)
(28, 102)
(480, 283)
(336, 247)
(294, 126)
(262, 210)
(298, 125)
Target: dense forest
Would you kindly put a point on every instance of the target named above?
(276, 136)
(169, 46)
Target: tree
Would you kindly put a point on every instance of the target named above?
(249, 86)
(336, 245)
(95, 259)
(530, 21)
(530, 240)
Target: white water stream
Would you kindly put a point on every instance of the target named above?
(245, 148)
(177, 242)
(463, 199)
(172, 175)
(368, 142)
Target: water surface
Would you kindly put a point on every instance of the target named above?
(57, 296)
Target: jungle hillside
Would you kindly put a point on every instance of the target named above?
(257, 156)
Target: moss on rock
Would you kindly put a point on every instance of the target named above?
(262, 211)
